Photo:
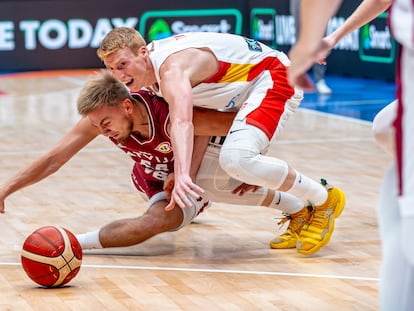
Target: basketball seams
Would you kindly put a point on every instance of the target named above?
(62, 267)
(50, 242)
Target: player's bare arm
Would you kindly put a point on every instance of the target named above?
(208, 122)
(200, 147)
(365, 12)
(177, 77)
(51, 161)
(313, 25)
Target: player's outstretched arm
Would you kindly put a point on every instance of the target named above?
(364, 13)
(314, 18)
(51, 161)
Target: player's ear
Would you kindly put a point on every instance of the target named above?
(128, 105)
(142, 50)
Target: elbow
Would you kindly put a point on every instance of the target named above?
(53, 164)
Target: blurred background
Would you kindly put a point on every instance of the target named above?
(64, 34)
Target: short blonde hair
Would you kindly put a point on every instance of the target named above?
(119, 38)
(101, 89)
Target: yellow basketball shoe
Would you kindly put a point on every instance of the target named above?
(296, 222)
(317, 232)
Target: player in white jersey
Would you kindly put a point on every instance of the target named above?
(224, 71)
(393, 128)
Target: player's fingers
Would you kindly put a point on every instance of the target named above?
(237, 190)
(183, 201)
(303, 82)
(170, 206)
(197, 188)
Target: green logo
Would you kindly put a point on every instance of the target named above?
(375, 42)
(155, 25)
(159, 30)
(263, 25)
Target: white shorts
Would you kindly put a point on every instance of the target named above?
(217, 185)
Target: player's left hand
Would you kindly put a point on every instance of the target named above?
(243, 188)
(184, 187)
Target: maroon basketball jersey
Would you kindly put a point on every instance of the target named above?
(153, 156)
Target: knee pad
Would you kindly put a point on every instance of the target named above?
(234, 161)
(253, 168)
(218, 185)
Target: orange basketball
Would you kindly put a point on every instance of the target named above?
(51, 256)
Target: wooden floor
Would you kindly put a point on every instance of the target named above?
(222, 262)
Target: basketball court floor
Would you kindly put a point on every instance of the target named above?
(221, 262)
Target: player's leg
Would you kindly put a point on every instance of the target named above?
(243, 157)
(131, 231)
(397, 275)
(405, 156)
(382, 128)
(219, 187)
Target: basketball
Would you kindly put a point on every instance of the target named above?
(51, 256)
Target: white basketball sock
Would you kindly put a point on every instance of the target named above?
(308, 190)
(286, 202)
(89, 240)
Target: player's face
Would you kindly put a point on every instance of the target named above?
(128, 68)
(112, 122)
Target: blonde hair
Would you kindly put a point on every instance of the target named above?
(101, 89)
(119, 38)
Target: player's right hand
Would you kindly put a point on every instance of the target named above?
(184, 187)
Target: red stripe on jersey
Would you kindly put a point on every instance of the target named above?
(266, 117)
(223, 68)
(398, 123)
(268, 63)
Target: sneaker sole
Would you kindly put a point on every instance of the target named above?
(341, 205)
(337, 212)
(280, 246)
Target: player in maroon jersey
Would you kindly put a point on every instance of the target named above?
(138, 123)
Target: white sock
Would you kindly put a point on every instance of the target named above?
(286, 202)
(308, 190)
(89, 240)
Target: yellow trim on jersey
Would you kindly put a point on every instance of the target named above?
(237, 73)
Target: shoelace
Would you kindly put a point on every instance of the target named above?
(319, 218)
(293, 225)
(281, 222)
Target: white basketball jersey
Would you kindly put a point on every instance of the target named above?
(241, 61)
